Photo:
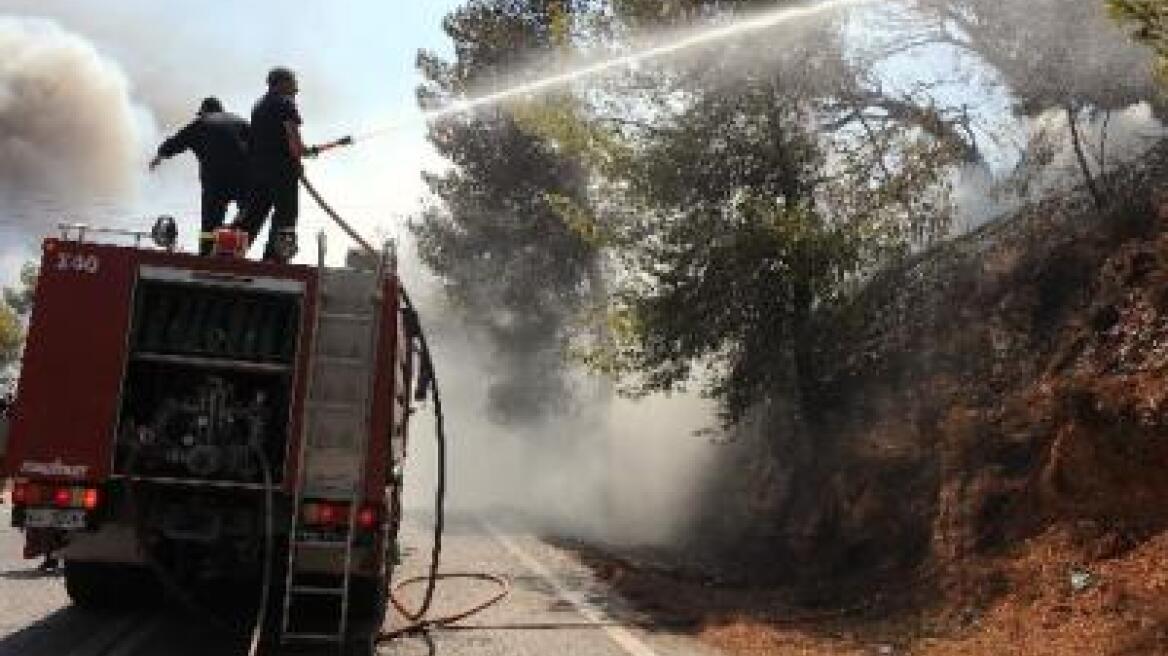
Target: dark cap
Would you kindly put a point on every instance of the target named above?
(210, 104)
(280, 74)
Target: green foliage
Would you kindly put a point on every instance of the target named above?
(1150, 20)
(20, 298)
(745, 221)
(17, 303)
(11, 337)
(727, 197)
(502, 236)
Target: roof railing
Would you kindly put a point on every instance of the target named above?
(163, 234)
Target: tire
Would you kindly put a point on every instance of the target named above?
(109, 585)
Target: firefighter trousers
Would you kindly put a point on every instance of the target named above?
(215, 201)
(278, 194)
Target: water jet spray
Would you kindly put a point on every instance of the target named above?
(755, 24)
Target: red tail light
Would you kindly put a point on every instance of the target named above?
(325, 513)
(329, 514)
(90, 498)
(333, 514)
(21, 493)
(367, 518)
(34, 494)
(62, 497)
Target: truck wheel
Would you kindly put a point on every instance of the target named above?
(108, 585)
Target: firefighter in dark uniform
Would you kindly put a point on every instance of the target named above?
(219, 140)
(276, 149)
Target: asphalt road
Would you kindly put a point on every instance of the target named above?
(555, 607)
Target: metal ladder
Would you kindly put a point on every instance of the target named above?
(334, 436)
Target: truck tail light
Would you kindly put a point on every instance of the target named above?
(335, 514)
(22, 494)
(90, 498)
(63, 497)
(327, 514)
(330, 514)
(35, 494)
(367, 518)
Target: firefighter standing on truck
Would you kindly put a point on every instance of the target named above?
(219, 140)
(276, 150)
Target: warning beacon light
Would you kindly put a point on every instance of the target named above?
(229, 242)
(164, 233)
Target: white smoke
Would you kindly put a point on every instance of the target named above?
(1109, 139)
(1047, 162)
(613, 469)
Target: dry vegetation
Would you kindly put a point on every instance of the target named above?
(991, 473)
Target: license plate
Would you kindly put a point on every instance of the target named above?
(54, 518)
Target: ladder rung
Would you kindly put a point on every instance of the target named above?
(343, 361)
(335, 405)
(319, 637)
(317, 590)
(346, 316)
(321, 544)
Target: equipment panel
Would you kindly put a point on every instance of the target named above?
(209, 376)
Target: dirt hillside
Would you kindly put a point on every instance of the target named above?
(979, 466)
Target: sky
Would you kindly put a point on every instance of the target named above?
(355, 59)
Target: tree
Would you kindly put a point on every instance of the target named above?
(510, 262)
(751, 221)
(728, 193)
(19, 298)
(1150, 20)
(738, 190)
(1060, 55)
(11, 337)
(1048, 53)
(15, 306)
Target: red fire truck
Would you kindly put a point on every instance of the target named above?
(180, 419)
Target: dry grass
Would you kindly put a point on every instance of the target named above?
(1121, 611)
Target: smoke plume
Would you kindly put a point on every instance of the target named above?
(608, 469)
(68, 127)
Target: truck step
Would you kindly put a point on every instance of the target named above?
(337, 406)
(354, 317)
(320, 544)
(349, 290)
(317, 590)
(341, 361)
(313, 637)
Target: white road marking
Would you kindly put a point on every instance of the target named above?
(107, 637)
(622, 637)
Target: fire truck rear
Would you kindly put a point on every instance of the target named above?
(181, 420)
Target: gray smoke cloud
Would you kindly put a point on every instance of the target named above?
(609, 469)
(69, 129)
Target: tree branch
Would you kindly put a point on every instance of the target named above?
(1084, 166)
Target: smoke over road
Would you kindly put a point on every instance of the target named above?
(69, 129)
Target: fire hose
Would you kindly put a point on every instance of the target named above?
(418, 621)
